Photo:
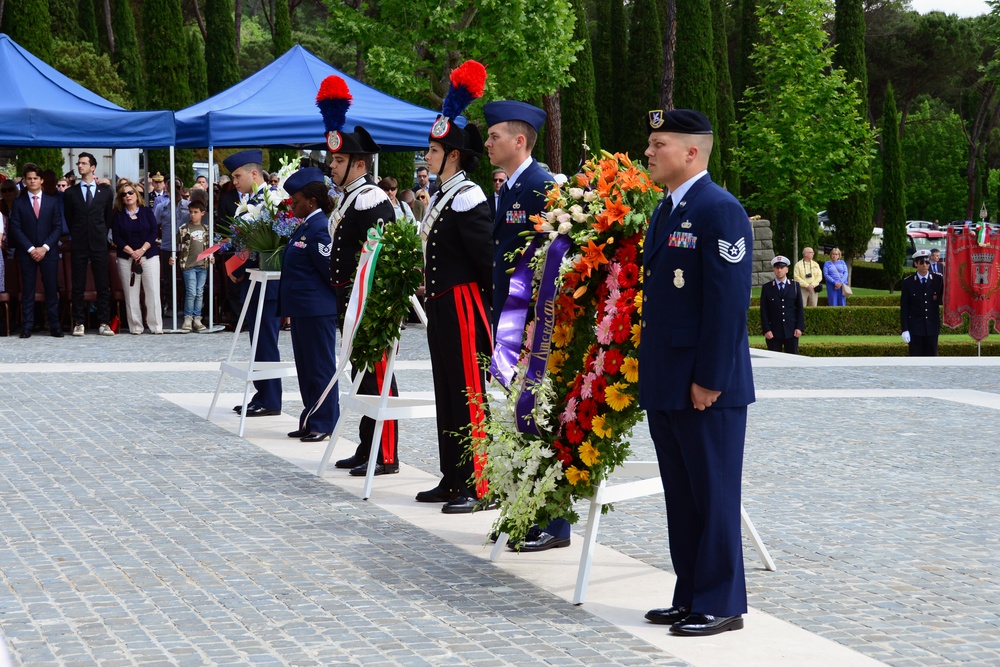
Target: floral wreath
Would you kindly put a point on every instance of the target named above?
(587, 402)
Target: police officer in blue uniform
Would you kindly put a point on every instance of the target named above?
(512, 132)
(695, 380)
(307, 297)
(248, 179)
(920, 307)
(782, 313)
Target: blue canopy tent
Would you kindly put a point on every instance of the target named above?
(277, 107)
(41, 107)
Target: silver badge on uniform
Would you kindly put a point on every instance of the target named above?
(678, 278)
(686, 224)
(516, 205)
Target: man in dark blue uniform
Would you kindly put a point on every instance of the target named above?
(306, 296)
(695, 380)
(920, 307)
(782, 314)
(513, 130)
(248, 179)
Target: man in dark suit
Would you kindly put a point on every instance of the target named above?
(499, 178)
(937, 264)
(36, 221)
(782, 315)
(920, 307)
(695, 379)
(513, 130)
(88, 208)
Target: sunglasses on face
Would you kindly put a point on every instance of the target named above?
(499, 180)
(923, 261)
(129, 193)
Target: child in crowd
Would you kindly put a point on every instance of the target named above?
(193, 241)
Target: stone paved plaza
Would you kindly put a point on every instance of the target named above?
(137, 533)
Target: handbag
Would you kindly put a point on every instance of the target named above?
(846, 289)
(818, 288)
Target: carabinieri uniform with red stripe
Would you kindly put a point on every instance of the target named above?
(361, 207)
(458, 259)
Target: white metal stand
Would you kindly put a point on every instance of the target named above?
(250, 371)
(381, 408)
(612, 494)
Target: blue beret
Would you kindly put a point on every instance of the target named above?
(237, 160)
(682, 121)
(504, 110)
(301, 178)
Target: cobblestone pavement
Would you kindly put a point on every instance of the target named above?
(134, 534)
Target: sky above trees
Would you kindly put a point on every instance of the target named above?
(960, 7)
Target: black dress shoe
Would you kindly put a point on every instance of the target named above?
(315, 436)
(239, 408)
(57, 333)
(462, 504)
(25, 333)
(300, 433)
(260, 411)
(436, 495)
(380, 469)
(703, 625)
(351, 462)
(543, 542)
(667, 616)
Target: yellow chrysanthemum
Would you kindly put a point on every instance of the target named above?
(638, 300)
(599, 427)
(635, 334)
(616, 396)
(589, 454)
(562, 335)
(575, 475)
(630, 369)
(556, 361)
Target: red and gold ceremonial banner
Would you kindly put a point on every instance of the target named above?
(972, 278)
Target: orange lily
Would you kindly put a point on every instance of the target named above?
(593, 257)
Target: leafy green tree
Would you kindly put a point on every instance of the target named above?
(610, 60)
(282, 28)
(220, 47)
(28, 23)
(127, 56)
(852, 216)
(197, 70)
(893, 195)
(802, 122)
(695, 83)
(725, 130)
(409, 47)
(81, 62)
(579, 115)
(642, 79)
(933, 147)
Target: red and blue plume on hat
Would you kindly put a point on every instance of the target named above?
(468, 81)
(333, 100)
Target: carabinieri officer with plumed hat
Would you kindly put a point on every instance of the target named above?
(458, 260)
(362, 206)
(307, 297)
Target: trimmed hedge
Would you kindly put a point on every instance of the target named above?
(849, 321)
(888, 348)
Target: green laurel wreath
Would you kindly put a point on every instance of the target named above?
(398, 274)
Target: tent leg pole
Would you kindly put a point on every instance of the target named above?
(211, 236)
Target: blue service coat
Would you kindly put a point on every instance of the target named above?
(695, 300)
(305, 289)
(523, 199)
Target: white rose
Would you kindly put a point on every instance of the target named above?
(565, 227)
(576, 193)
(590, 195)
(580, 217)
(563, 217)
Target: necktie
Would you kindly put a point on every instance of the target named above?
(661, 220)
(781, 287)
(36, 204)
(90, 192)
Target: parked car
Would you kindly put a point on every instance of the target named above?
(824, 222)
(919, 225)
(925, 239)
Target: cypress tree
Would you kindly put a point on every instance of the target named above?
(282, 39)
(744, 74)
(65, 24)
(28, 23)
(645, 57)
(725, 135)
(87, 20)
(127, 56)
(893, 194)
(695, 83)
(197, 70)
(579, 116)
(220, 47)
(604, 78)
(853, 215)
(166, 74)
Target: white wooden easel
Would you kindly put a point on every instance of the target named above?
(252, 370)
(381, 408)
(607, 494)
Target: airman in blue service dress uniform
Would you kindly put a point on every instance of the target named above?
(695, 380)
(920, 307)
(362, 205)
(458, 278)
(513, 130)
(307, 297)
(245, 166)
(782, 313)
